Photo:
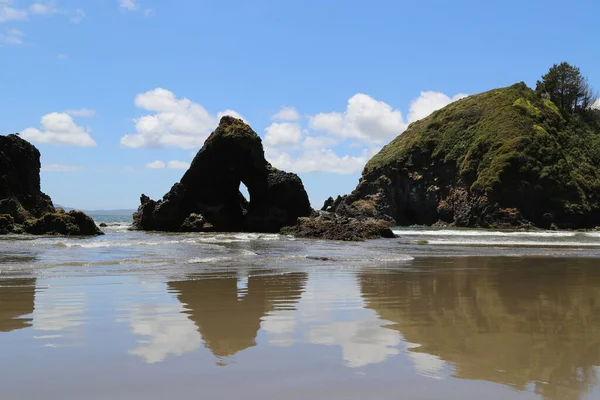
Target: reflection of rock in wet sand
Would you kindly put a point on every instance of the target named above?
(229, 318)
(16, 300)
(510, 321)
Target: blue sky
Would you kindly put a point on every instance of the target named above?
(108, 88)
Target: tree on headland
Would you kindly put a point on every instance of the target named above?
(567, 88)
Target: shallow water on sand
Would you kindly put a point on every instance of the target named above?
(432, 314)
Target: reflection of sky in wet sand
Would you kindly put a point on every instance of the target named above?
(331, 312)
(162, 327)
(59, 313)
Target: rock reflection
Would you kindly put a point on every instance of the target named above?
(17, 297)
(510, 321)
(228, 314)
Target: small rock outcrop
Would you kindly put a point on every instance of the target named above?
(208, 197)
(24, 208)
(330, 226)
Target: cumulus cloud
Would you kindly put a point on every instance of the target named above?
(283, 134)
(156, 164)
(44, 8)
(8, 13)
(82, 112)
(60, 168)
(319, 160)
(173, 123)
(365, 119)
(366, 124)
(231, 113)
(130, 5)
(77, 16)
(59, 129)
(12, 37)
(596, 105)
(173, 164)
(429, 102)
(286, 114)
(178, 164)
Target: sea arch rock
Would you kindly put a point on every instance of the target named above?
(208, 196)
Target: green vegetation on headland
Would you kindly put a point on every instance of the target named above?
(506, 157)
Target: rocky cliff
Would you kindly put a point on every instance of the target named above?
(208, 196)
(24, 208)
(503, 158)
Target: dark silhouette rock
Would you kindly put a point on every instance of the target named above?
(24, 208)
(102, 225)
(208, 195)
(330, 226)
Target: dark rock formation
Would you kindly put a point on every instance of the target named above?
(505, 158)
(330, 226)
(208, 195)
(24, 208)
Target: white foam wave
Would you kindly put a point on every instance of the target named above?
(394, 258)
(507, 243)
(479, 233)
(106, 243)
(211, 259)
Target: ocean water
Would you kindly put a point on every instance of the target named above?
(431, 314)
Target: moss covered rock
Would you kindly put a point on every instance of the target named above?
(72, 223)
(329, 226)
(503, 158)
(24, 208)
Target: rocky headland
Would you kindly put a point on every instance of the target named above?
(24, 208)
(506, 158)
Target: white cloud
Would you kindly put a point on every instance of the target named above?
(12, 37)
(59, 129)
(156, 164)
(319, 160)
(596, 105)
(130, 5)
(174, 123)
(286, 114)
(149, 12)
(283, 134)
(60, 168)
(429, 102)
(82, 112)
(62, 57)
(8, 13)
(174, 164)
(365, 119)
(44, 8)
(78, 16)
(231, 113)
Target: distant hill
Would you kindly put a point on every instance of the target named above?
(120, 211)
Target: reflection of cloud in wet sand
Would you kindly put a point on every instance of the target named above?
(521, 322)
(361, 335)
(16, 301)
(362, 341)
(165, 329)
(59, 311)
